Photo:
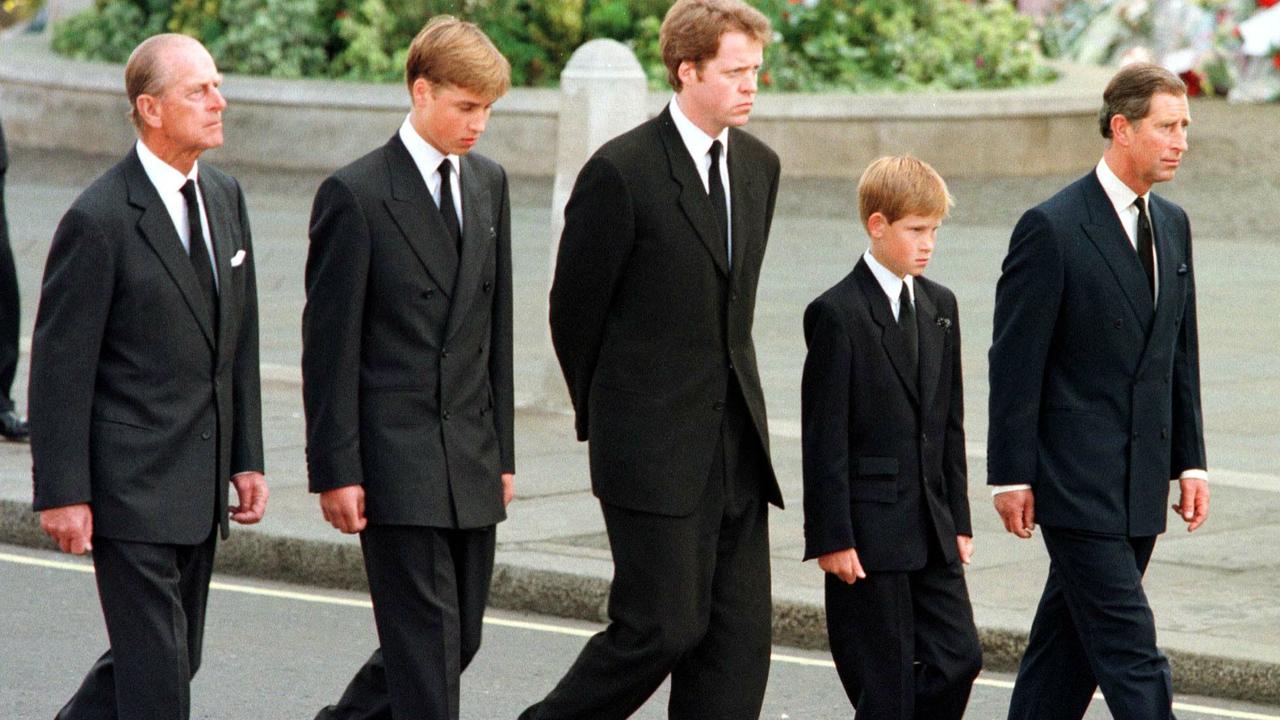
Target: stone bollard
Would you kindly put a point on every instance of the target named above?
(602, 95)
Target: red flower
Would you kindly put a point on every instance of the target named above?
(1192, 79)
(1275, 60)
(1267, 3)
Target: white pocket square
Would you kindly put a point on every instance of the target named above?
(238, 259)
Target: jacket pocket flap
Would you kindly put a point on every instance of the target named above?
(877, 466)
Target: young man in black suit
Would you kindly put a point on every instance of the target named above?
(12, 426)
(144, 391)
(885, 504)
(651, 312)
(1095, 405)
(407, 373)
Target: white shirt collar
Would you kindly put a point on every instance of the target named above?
(426, 156)
(165, 177)
(890, 283)
(695, 140)
(1120, 195)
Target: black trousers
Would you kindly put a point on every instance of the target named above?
(153, 599)
(10, 315)
(429, 588)
(691, 598)
(904, 643)
(1093, 628)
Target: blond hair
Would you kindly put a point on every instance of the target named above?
(449, 51)
(691, 31)
(900, 185)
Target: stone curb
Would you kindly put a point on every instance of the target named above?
(564, 594)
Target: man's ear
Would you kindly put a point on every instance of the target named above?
(687, 72)
(148, 109)
(1120, 126)
(420, 90)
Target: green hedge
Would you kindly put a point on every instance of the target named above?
(819, 45)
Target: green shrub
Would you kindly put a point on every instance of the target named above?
(856, 45)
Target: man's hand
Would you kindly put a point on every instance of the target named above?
(71, 526)
(1017, 509)
(508, 488)
(344, 508)
(843, 564)
(1193, 506)
(251, 491)
(964, 546)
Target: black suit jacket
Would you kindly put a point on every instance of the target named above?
(135, 406)
(648, 319)
(881, 447)
(406, 348)
(1095, 389)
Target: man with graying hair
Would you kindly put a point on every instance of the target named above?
(144, 396)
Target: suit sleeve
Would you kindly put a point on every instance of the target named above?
(1027, 298)
(824, 432)
(954, 462)
(75, 302)
(332, 321)
(246, 434)
(500, 347)
(1187, 448)
(599, 231)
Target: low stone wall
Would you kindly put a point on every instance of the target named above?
(47, 101)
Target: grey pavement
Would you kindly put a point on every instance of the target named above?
(1216, 593)
(266, 657)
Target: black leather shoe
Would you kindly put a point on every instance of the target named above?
(13, 427)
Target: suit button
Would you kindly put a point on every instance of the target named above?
(444, 353)
(1166, 378)
(428, 293)
(1135, 434)
(1164, 432)
(924, 438)
(481, 350)
(1119, 322)
(733, 296)
(487, 285)
(206, 435)
(717, 405)
(444, 415)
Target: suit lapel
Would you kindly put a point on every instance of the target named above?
(693, 194)
(1107, 234)
(744, 195)
(1167, 261)
(156, 227)
(890, 334)
(224, 246)
(413, 210)
(931, 336)
(479, 238)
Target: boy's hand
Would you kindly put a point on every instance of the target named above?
(964, 546)
(843, 564)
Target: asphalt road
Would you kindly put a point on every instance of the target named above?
(275, 651)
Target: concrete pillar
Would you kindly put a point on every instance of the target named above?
(602, 95)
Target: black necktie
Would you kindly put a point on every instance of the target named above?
(1146, 244)
(716, 193)
(448, 210)
(907, 322)
(199, 254)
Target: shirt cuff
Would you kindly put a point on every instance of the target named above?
(997, 489)
(1194, 474)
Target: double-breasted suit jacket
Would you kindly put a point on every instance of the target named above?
(650, 319)
(1095, 388)
(407, 359)
(883, 446)
(137, 406)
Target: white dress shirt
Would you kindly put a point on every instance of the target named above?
(890, 283)
(427, 158)
(698, 143)
(168, 182)
(1122, 198)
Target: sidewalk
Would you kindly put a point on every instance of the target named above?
(1216, 594)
